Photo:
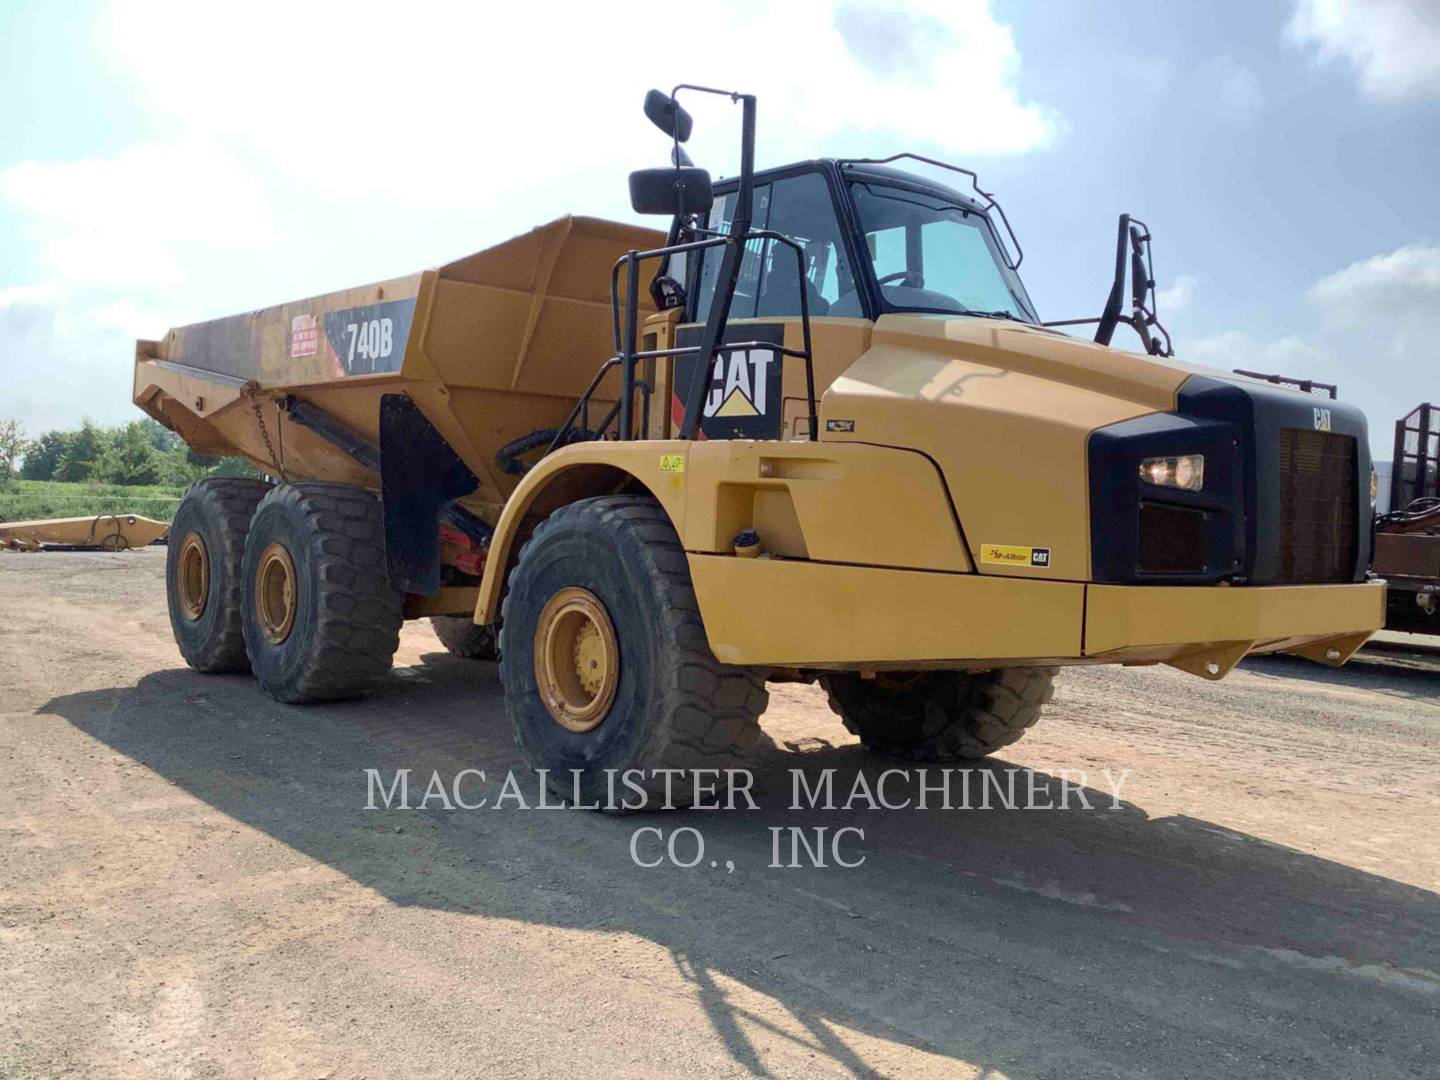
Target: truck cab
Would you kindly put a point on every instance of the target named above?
(874, 241)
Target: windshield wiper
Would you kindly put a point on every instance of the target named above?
(994, 315)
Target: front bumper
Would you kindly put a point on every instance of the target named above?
(793, 613)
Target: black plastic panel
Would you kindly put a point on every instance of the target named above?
(1262, 412)
(1117, 494)
(1285, 498)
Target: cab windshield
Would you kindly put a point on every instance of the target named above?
(933, 255)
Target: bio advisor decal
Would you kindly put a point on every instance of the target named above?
(1015, 555)
(743, 397)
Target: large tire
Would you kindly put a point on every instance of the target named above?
(461, 637)
(940, 716)
(328, 542)
(203, 568)
(670, 703)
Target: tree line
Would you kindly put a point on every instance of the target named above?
(140, 452)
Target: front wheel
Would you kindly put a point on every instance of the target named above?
(940, 716)
(607, 672)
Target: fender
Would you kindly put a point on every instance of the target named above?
(847, 503)
(576, 472)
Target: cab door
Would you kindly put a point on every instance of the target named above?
(758, 393)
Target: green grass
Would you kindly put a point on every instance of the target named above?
(30, 500)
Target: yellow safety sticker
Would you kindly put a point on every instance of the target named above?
(1013, 555)
(672, 463)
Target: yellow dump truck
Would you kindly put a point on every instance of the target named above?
(816, 431)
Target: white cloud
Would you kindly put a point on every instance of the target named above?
(1233, 89)
(1176, 296)
(126, 219)
(22, 307)
(1379, 319)
(131, 320)
(1288, 355)
(1393, 44)
(58, 366)
(1400, 285)
(305, 147)
(460, 101)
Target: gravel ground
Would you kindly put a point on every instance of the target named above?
(191, 884)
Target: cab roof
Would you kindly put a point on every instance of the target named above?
(854, 169)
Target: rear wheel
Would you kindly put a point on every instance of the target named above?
(203, 569)
(940, 715)
(321, 621)
(461, 637)
(605, 663)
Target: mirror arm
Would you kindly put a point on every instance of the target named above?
(729, 275)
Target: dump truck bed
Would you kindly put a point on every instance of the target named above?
(490, 347)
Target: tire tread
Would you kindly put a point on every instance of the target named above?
(359, 615)
(709, 711)
(988, 711)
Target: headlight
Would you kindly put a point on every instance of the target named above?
(1186, 472)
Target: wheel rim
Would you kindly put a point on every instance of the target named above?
(194, 576)
(275, 593)
(577, 660)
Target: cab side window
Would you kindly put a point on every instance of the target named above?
(770, 284)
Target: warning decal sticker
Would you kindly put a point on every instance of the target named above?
(743, 398)
(1013, 555)
(304, 336)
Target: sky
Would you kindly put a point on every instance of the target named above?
(165, 162)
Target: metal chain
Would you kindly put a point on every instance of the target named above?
(249, 391)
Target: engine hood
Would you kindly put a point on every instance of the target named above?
(1005, 410)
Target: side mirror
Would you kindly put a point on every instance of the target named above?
(1140, 283)
(666, 114)
(670, 191)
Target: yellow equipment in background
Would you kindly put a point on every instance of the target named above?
(832, 441)
(103, 532)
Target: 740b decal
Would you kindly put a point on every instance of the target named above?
(369, 340)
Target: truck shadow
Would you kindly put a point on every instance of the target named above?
(1413, 675)
(963, 934)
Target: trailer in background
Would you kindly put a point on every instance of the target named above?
(1407, 538)
(103, 532)
(1417, 456)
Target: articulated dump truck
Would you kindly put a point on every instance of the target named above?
(816, 431)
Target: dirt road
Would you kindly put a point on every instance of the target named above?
(191, 884)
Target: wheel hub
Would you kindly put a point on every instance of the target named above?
(275, 593)
(900, 682)
(577, 659)
(194, 576)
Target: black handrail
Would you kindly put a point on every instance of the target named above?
(627, 355)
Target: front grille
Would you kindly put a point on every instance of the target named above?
(1172, 539)
(1317, 507)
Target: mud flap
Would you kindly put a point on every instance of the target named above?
(419, 475)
